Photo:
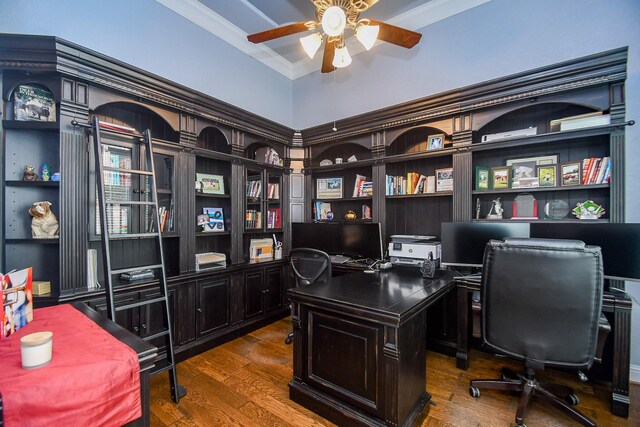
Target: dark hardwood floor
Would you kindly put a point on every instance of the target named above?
(244, 383)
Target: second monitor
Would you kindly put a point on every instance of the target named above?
(354, 240)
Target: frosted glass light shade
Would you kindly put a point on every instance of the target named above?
(341, 58)
(333, 21)
(311, 44)
(367, 35)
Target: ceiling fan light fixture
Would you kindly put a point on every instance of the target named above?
(334, 20)
(367, 35)
(341, 58)
(311, 44)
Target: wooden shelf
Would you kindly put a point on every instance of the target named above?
(33, 241)
(344, 199)
(414, 196)
(542, 189)
(213, 196)
(30, 125)
(46, 184)
(212, 233)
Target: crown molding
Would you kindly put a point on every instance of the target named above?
(419, 17)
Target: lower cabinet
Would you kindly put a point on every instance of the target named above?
(203, 307)
(144, 321)
(263, 291)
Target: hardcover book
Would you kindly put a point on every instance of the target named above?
(17, 300)
(33, 103)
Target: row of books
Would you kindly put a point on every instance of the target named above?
(254, 188)
(166, 218)
(253, 219)
(274, 218)
(412, 183)
(271, 157)
(273, 191)
(596, 170)
(362, 187)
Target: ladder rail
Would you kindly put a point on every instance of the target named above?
(147, 175)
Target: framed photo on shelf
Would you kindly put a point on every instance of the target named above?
(435, 142)
(209, 184)
(444, 179)
(329, 188)
(33, 102)
(570, 174)
(214, 221)
(501, 177)
(482, 178)
(524, 170)
(547, 175)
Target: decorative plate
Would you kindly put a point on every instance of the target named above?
(556, 209)
(326, 162)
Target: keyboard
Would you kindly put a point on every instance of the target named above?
(339, 259)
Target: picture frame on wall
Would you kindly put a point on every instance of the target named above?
(444, 180)
(501, 177)
(570, 174)
(482, 178)
(547, 175)
(435, 142)
(329, 188)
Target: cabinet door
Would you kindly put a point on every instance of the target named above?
(273, 288)
(213, 306)
(184, 315)
(152, 317)
(253, 293)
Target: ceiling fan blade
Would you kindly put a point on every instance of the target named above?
(327, 58)
(371, 2)
(396, 35)
(275, 33)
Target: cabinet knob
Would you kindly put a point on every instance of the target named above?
(144, 326)
(136, 191)
(199, 310)
(136, 329)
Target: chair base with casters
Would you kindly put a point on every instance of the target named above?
(560, 396)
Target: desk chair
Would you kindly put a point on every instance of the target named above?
(541, 303)
(309, 266)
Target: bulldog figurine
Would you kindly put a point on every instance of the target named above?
(44, 224)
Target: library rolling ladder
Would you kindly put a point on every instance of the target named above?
(108, 205)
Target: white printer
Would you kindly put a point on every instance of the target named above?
(413, 250)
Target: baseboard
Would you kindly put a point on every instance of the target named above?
(634, 374)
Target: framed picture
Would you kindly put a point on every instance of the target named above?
(524, 172)
(435, 142)
(482, 178)
(501, 177)
(547, 175)
(211, 220)
(329, 188)
(209, 184)
(444, 179)
(570, 173)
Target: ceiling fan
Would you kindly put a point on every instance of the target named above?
(333, 18)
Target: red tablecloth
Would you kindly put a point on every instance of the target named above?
(93, 379)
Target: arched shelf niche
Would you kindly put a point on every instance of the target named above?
(418, 140)
(538, 115)
(213, 139)
(265, 152)
(138, 117)
(342, 150)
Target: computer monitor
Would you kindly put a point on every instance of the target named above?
(620, 244)
(463, 243)
(322, 236)
(362, 240)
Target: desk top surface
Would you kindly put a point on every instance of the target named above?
(397, 292)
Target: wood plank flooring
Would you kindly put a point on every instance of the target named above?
(244, 383)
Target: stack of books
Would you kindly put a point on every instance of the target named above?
(362, 187)
(412, 183)
(580, 121)
(596, 170)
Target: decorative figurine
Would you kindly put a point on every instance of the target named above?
(45, 172)
(496, 210)
(55, 176)
(29, 173)
(44, 224)
(588, 210)
(350, 215)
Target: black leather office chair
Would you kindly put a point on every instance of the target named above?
(309, 266)
(541, 303)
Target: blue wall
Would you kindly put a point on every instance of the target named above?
(496, 39)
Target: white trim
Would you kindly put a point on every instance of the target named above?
(634, 374)
(414, 19)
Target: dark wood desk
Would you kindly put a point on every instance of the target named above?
(359, 346)
(616, 305)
